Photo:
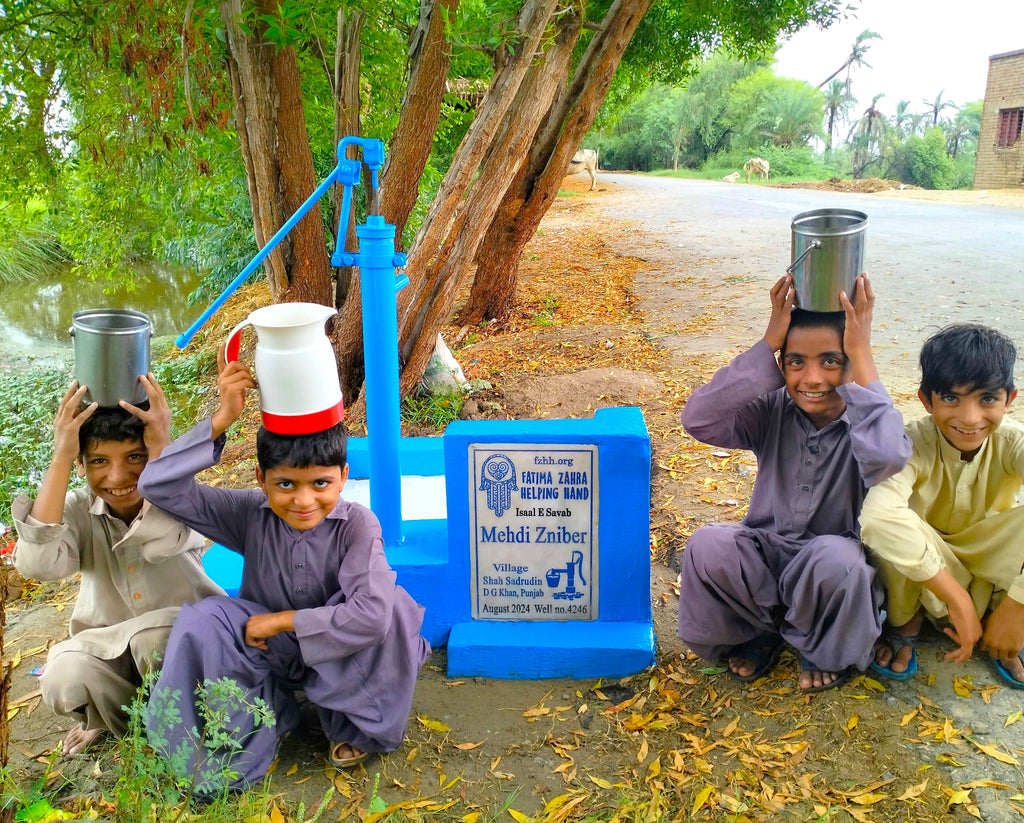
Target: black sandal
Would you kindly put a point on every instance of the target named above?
(762, 651)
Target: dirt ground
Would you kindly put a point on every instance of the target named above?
(600, 322)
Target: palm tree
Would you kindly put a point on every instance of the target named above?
(838, 102)
(791, 115)
(866, 136)
(903, 117)
(963, 131)
(937, 105)
(856, 57)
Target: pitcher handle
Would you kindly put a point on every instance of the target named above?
(234, 341)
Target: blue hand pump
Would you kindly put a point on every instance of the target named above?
(377, 260)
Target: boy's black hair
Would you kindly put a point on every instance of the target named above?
(111, 423)
(804, 319)
(967, 355)
(299, 451)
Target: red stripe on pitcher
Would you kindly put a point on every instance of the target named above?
(317, 421)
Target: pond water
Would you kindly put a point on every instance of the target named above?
(35, 316)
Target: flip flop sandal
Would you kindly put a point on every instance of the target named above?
(762, 651)
(897, 642)
(1003, 673)
(807, 666)
(345, 762)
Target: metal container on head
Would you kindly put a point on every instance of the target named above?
(111, 351)
(828, 255)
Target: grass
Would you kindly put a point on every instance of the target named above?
(436, 410)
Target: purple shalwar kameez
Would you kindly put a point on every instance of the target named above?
(795, 566)
(356, 650)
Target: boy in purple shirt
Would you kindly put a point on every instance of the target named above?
(823, 429)
(318, 607)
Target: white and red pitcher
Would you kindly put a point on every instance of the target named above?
(296, 369)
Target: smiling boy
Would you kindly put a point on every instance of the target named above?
(946, 531)
(823, 429)
(318, 606)
(138, 565)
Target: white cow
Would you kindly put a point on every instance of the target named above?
(584, 160)
(732, 178)
(758, 166)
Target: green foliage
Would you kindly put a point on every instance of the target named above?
(150, 773)
(28, 402)
(765, 108)
(33, 804)
(922, 161)
(435, 410)
(28, 250)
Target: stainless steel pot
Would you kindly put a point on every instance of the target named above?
(828, 255)
(111, 351)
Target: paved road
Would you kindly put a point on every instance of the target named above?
(930, 263)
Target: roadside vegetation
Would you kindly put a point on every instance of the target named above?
(735, 109)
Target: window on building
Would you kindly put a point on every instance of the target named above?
(1009, 126)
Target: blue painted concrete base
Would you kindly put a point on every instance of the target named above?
(518, 650)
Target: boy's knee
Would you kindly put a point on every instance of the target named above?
(711, 552)
(64, 681)
(147, 648)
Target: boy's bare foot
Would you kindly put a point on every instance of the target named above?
(755, 658)
(79, 739)
(897, 661)
(814, 679)
(1014, 666)
(741, 666)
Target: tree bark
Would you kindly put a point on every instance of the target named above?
(348, 52)
(6, 812)
(278, 160)
(525, 203)
(426, 304)
(429, 60)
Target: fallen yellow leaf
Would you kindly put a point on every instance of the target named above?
(701, 799)
(433, 725)
(1013, 718)
(914, 791)
(851, 724)
(868, 798)
(467, 746)
(600, 781)
(519, 817)
(992, 751)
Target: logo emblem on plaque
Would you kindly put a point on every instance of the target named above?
(498, 479)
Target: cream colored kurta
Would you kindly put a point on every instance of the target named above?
(134, 577)
(945, 512)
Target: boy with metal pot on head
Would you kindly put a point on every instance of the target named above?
(946, 531)
(823, 429)
(318, 607)
(138, 564)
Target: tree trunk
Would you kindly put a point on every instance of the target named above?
(278, 160)
(493, 291)
(348, 49)
(429, 59)
(6, 812)
(448, 239)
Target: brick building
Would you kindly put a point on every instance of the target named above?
(1000, 161)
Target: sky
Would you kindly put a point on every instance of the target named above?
(926, 46)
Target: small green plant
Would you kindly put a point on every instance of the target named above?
(436, 410)
(163, 787)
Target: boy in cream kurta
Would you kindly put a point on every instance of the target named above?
(138, 564)
(946, 531)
